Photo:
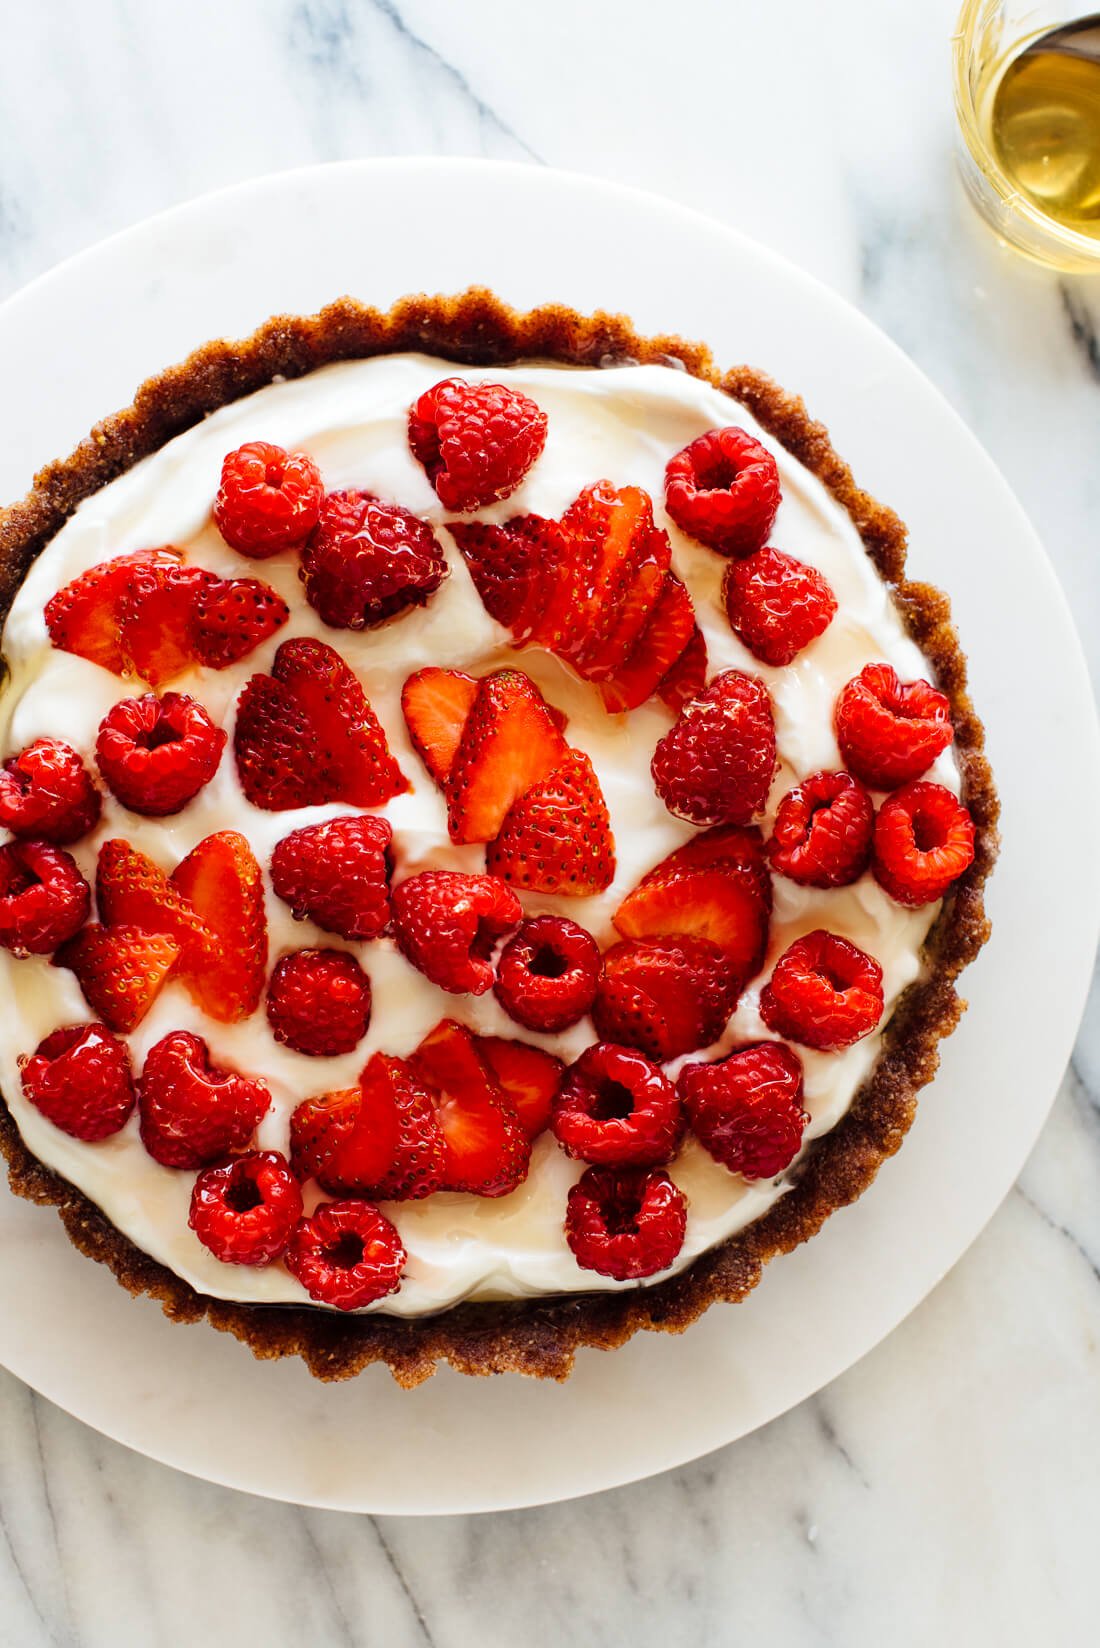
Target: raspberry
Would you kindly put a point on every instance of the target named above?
(546, 976)
(666, 996)
(318, 1002)
(476, 441)
(723, 489)
(192, 1112)
(346, 1254)
(625, 1222)
(268, 499)
(890, 732)
(368, 561)
(44, 898)
(615, 1107)
(337, 874)
(157, 753)
(822, 832)
(776, 605)
(245, 1210)
(448, 925)
(715, 766)
(824, 992)
(79, 1078)
(46, 792)
(924, 840)
(746, 1110)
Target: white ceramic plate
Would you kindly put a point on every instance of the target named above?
(76, 343)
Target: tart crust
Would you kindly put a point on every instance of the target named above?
(540, 1336)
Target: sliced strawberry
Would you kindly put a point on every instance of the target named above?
(739, 845)
(666, 996)
(510, 566)
(346, 1140)
(662, 642)
(510, 742)
(557, 838)
(84, 616)
(417, 1164)
(132, 891)
(231, 617)
(275, 749)
(529, 1076)
(722, 904)
(627, 557)
(223, 883)
(485, 1151)
(436, 704)
(120, 970)
(156, 614)
(351, 745)
(688, 675)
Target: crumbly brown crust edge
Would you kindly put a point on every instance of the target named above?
(537, 1337)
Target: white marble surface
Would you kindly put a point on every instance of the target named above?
(944, 1489)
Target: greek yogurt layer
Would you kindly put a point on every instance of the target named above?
(622, 423)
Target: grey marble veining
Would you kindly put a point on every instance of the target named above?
(944, 1489)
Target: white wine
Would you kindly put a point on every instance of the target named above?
(1045, 124)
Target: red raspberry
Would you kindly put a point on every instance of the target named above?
(615, 1107)
(723, 489)
(448, 925)
(157, 753)
(822, 833)
(824, 992)
(889, 732)
(337, 874)
(715, 766)
(476, 441)
(924, 840)
(268, 499)
(79, 1078)
(666, 995)
(318, 1002)
(547, 973)
(346, 1254)
(44, 898)
(245, 1210)
(777, 605)
(625, 1222)
(46, 792)
(746, 1110)
(367, 561)
(191, 1111)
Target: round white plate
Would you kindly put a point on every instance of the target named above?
(75, 345)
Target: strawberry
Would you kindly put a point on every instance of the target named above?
(416, 1165)
(119, 969)
(612, 534)
(84, 616)
(345, 1139)
(510, 743)
(528, 1076)
(510, 566)
(717, 888)
(231, 617)
(485, 1150)
(132, 891)
(222, 882)
(666, 996)
(688, 675)
(436, 704)
(661, 644)
(557, 838)
(155, 617)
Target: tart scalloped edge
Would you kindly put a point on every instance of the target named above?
(539, 1336)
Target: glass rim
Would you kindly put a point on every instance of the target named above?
(973, 15)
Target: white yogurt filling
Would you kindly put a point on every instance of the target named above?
(621, 423)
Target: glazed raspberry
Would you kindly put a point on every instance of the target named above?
(746, 1110)
(723, 489)
(44, 898)
(191, 1111)
(666, 996)
(546, 976)
(924, 840)
(476, 440)
(346, 1254)
(615, 1107)
(822, 833)
(337, 874)
(156, 754)
(268, 499)
(368, 561)
(46, 792)
(318, 1002)
(79, 1078)
(245, 1210)
(625, 1222)
(449, 924)
(777, 605)
(715, 766)
(824, 992)
(890, 732)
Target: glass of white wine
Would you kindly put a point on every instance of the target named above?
(1027, 94)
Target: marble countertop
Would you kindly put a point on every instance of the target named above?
(943, 1489)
